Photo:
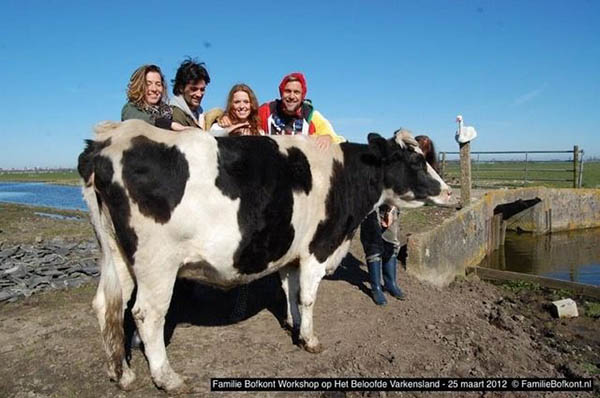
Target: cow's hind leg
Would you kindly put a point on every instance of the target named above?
(290, 282)
(155, 282)
(127, 286)
(114, 291)
(311, 273)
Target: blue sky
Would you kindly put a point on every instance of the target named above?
(526, 74)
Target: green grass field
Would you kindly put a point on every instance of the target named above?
(513, 174)
(63, 177)
(506, 174)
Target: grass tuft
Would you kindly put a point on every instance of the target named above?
(592, 310)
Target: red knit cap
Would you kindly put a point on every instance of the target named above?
(296, 75)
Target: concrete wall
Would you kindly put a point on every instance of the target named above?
(463, 240)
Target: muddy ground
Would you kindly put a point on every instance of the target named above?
(50, 345)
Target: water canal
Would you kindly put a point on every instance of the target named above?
(42, 194)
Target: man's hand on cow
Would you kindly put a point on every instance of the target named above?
(179, 127)
(323, 142)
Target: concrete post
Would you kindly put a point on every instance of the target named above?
(465, 173)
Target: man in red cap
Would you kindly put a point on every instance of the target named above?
(293, 114)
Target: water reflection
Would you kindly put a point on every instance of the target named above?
(572, 256)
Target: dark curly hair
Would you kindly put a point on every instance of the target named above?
(190, 71)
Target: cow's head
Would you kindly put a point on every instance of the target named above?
(409, 181)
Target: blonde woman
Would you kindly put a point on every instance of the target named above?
(146, 98)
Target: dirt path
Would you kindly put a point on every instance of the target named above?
(50, 345)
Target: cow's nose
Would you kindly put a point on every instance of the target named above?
(446, 195)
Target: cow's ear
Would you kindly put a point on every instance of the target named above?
(378, 146)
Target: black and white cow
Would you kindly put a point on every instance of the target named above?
(230, 210)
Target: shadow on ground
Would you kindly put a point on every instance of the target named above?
(196, 304)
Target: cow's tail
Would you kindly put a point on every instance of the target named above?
(108, 303)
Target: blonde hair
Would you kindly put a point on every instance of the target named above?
(136, 89)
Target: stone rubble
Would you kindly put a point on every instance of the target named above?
(26, 269)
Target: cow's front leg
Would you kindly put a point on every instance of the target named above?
(311, 273)
(153, 298)
(290, 282)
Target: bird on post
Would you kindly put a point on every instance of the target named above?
(464, 134)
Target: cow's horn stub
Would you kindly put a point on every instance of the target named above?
(404, 137)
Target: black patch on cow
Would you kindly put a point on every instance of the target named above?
(406, 170)
(115, 198)
(299, 170)
(155, 176)
(295, 263)
(355, 188)
(85, 163)
(255, 171)
(358, 183)
(403, 168)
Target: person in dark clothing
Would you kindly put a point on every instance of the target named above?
(378, 235)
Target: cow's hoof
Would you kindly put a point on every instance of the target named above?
(183, 389)
(127, 380)
(314, 348)
(173, 384)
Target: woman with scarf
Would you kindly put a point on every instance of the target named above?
(146, 98)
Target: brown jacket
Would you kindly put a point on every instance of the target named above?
(179, 116)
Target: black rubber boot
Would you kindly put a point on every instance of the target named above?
(375, 278)
(389, 278)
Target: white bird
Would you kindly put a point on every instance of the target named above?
(464, 134)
